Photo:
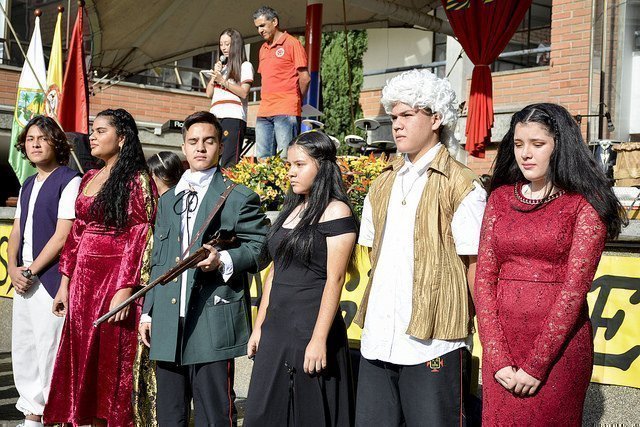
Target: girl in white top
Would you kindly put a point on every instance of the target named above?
(229, 89)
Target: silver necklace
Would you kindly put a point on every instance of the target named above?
(404, 196)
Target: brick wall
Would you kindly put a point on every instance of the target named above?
(8, 86)
(147, 105)
(514, 89)
(570, 59)
(370, 103)
(482, 166)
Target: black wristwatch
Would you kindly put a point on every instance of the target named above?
(27, 274)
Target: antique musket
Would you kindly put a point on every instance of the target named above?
(221, 240)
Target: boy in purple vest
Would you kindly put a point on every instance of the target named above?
(44, 215)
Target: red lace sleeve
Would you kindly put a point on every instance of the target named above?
(589, 236)
(136, 262)
(495, 349)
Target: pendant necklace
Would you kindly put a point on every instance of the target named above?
(404, 196)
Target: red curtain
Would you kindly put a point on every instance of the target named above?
(483, 28)
(74, 106)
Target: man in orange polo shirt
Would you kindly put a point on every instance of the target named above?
(285, 80)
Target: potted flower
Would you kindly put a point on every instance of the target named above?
(267, 177)
(358, 172)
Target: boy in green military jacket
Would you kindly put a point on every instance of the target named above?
(198, 323)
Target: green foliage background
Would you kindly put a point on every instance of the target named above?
(335, 84)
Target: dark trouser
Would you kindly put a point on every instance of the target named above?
(209, 384)
(232, 138)
(429, 394)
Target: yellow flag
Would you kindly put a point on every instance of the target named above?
(54, 73)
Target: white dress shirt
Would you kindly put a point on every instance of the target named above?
(384, 335)
(197, 181)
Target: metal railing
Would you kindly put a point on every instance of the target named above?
(176, 76)
(10, 52)
(438, 67)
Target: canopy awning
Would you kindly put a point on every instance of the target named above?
(132, 36)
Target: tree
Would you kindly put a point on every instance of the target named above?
(335, 84)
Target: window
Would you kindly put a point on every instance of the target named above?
(21, 15)
(439, 45)
(534, 33)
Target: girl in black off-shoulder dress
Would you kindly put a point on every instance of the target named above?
(302, 374)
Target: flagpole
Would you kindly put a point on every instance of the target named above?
(66, 41)
(55, 115)
(38, 13)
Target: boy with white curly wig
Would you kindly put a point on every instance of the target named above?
(422, 221)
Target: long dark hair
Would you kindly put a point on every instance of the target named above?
(112, 201)
(571, 167)
(326, 187)
(236, 54)
(55, 136)
(167, 166)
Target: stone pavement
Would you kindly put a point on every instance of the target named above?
(605, 405)
(9, 415)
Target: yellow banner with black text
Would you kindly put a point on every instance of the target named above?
(614, 307)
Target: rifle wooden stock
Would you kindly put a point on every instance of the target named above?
(220, 241)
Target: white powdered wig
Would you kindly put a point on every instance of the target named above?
(422, 89)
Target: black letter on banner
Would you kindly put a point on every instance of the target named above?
(5, 263)
(349, 308)
(612, 325)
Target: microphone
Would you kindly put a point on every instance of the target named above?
(223, 59)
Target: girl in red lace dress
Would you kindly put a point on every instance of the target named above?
(549, 213)
(105, 257)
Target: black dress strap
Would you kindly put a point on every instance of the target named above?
(336, 227)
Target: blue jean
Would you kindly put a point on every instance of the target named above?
(273, 135)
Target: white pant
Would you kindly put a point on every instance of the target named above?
(35, 336)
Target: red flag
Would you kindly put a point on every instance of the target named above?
(74, 106)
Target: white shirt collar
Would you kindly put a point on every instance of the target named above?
(197, 180)
(423, 163)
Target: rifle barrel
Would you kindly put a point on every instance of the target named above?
(174, 272)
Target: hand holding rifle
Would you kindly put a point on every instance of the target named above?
(207, 257)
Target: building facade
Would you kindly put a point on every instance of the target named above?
(586, 56)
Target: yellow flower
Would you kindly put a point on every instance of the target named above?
(268, 178)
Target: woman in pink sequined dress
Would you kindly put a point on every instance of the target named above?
(549, 213)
